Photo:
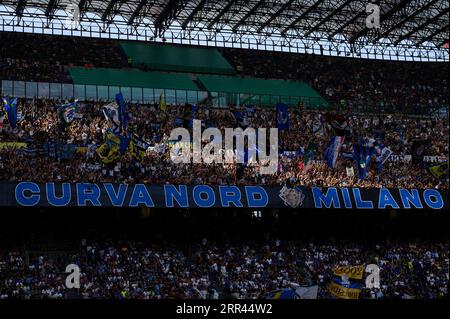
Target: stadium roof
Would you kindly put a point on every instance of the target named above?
(404, 23)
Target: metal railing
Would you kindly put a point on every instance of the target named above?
(28, 89)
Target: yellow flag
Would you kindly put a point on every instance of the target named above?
(342, 292)
(353, 272)
(109, 152)
(162, 102)
(439, 170)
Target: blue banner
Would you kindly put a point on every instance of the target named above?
(333, 150)
(123, 115)
(11, 111)
(362, 155)
(205, 196)
(282, 120)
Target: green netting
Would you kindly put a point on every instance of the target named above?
(132, 78)
(177, 58)
(263, 92)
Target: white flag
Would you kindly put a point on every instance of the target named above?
(350, 171)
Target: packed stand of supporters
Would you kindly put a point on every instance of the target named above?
(353, 84)
(41, 125)
(208, 269)
(44, 58)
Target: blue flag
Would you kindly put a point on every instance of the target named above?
(124, 143)
(123, 115)
(362, 155)
(250, 111)
(190, 111)
(66, 112)
(241, 119)
(333, 150)
(178, 122)
(11, 111)
(282, 120)
(382, 154)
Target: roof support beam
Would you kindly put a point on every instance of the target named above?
(166, 14)
(327, 18)
(20, 7)
(83, 6)
(301, 17)
(433, 34)
(406, 19)
(197, 8)
(385, 16)
(221, 13)
(420, 27)
(275, 15)
(51, 8)
(346, 24)
(249, 13)
(135, 13)
(109, 9)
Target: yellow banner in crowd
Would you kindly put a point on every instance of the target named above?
(109, 152)
(343, 292)
(353, 272)
(439, 170)
(137, 153)
(82, 150)
(12, 145)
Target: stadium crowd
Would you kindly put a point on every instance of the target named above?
(44, 58)
(40, 124)
(351, 84)
(209, 269)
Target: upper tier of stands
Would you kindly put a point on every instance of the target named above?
(348, 84)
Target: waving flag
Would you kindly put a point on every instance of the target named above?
(123, 115)
(382, 154)
(439, 170)
(11, 111)
(344, 289)
(282, 120)
(362, 155)
(109, 151)
(66, 112)
(124, 143)
(111, 113)
(162, 102)
(190, 111)
(249, 111)
(241, 119)
(332, 152)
